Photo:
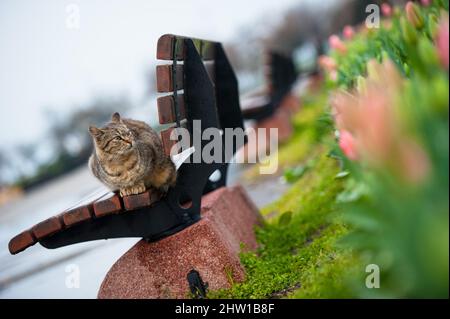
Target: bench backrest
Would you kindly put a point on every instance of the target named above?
(213, 99)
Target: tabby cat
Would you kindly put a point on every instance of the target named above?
(128, 156)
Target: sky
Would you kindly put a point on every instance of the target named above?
(60, 54)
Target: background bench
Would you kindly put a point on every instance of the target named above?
(280, 75)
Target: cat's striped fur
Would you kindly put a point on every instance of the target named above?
(128, 156)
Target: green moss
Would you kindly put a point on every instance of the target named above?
(331, 275)
(298, 243)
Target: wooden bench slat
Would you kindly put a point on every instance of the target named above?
(47, 227)
(145, 199)
(166, 108)
(165, 49)
(21, 242)
(165, 138)
(164, 80)
(107, 205)
(77, 215)
(166, 141)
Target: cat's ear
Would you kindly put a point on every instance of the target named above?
(115, 117)
(94, 131)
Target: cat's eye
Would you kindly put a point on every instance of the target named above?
(117, 138)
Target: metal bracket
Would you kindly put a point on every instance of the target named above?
(196, 285)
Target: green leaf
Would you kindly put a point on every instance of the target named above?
(342, 174)
(293, 174)
(352, 193)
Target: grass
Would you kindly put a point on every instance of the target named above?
(299, 254)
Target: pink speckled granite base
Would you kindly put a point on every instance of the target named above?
(211, 246)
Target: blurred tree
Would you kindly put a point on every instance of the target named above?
(305, 23)
(69, 134)
(27, 154)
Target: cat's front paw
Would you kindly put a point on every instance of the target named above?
(137, 189)
(124, 192)
(133, 190)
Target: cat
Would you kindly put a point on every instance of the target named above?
(128, 156)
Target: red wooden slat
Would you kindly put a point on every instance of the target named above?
(166, 141)
(77, 215)
(47, 227)
(107, 205)
(166, 108)
(165, 48)
(164, 80)
(145, 199)
(21, 242)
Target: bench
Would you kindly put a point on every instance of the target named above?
(206, 254)
(210, 95)
(280, 74)
(270, 107)
(200, 84)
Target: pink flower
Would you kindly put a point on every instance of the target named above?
(414, 162)
(348, 32)
(376, 123)
(327, 63)
(371, 128)
(386, 9)
(413, 15)
(333, 75)
(348, 145)
(442, 42)
(425, 2)
(337, 44)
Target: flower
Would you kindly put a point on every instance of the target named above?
(327, 63)
(347, 143)
(344, 107)
(386, 9)
(413, 15)
(334, 75)
(442, 42)
(414, 162)
(336, 43)
(425, 2)
(370, 127)
(348, 32)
